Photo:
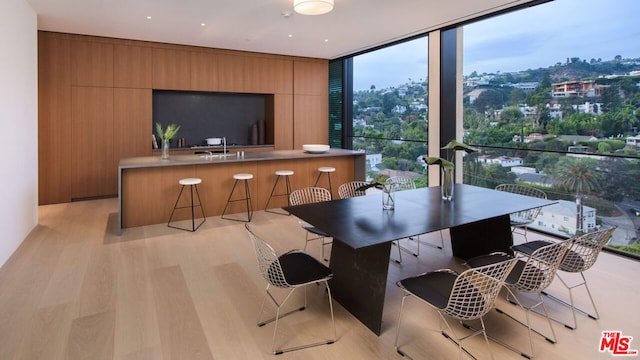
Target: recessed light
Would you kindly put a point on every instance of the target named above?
(290, 35)
(326, 40)
(148, 17)
(202, 24)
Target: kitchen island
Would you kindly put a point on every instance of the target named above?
(148, 186)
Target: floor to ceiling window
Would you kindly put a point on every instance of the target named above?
(552, 100)
(390, 109)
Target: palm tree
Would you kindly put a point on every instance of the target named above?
(579, 176)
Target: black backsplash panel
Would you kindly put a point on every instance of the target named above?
(203, 115)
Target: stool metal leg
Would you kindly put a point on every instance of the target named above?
(288, 189)
(192, 206)
(247, 198)
(328, 177)
(175, 206)
(229, 198)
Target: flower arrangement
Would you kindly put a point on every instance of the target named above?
(447, 166)
(168, 133)
(380, 182)
(454, 146)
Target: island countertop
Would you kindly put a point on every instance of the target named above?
(201, 159)
(148, 186)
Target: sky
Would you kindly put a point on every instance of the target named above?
(532, 38)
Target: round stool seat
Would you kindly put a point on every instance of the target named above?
(243, 176)
(284, 172)
(326, 169)
(190, 181)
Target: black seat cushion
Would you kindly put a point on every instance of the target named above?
(484, 260)
(488, 259)
(434, 287)
(531, 246)
(571, 262)
(301, 268)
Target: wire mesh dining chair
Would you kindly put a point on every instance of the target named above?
(292, 270)
(522, 219)
(349, 189)
(532, 274)
(309, 195)
(580, 257)
(466, 296)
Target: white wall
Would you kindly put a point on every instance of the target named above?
(18, 124)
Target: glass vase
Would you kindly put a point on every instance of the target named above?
(388, 196)
(447, 182)
(165, 149)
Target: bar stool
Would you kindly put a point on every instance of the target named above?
(192, 183)
(247, 196)
(325, 170)
(285, 174)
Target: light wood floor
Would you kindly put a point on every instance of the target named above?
(76, 290)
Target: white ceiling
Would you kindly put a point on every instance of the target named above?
(259, 25)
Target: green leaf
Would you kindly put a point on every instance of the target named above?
(439, 161)
(168, 133)
(455, 146)
(379, 182)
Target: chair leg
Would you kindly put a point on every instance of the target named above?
(571, 303)
(278, 316)
(527, 323)
(451, 335)
(397, 244)
(395, 344)
(324, 257)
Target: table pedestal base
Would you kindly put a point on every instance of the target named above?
(360, 275)
(360, 280)
(482, 237)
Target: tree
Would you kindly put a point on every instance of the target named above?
(577, 175)
(489, 99)
(512, 115)
(610, 98)
(620, 181)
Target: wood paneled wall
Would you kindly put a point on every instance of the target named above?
(95, 102)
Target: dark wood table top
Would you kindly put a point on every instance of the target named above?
(360, 221)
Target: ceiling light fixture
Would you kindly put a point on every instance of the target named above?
(312, 7)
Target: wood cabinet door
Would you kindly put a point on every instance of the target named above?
(204, 71)
(230, 69)
(92, 170)
(270, 75)
(54, 120)
(132, 126)
(171, 69)
(310, 114)
(132, 66)
(283, 122)
(310, 77)
(91, 63)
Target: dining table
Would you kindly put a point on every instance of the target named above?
(362, 232)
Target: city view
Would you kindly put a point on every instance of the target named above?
(569, 128)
